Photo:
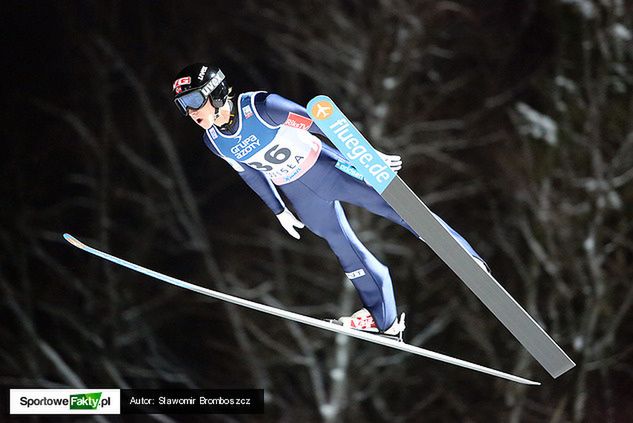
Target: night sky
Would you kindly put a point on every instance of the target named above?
(514, 121)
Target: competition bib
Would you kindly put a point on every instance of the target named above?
(283, 153)
(291, 153)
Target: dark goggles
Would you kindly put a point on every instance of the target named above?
(195, 99)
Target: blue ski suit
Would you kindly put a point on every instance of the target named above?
(272, 147)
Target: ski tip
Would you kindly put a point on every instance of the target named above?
(531, 382)
(74, 241)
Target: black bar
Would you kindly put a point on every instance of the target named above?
(192, 401)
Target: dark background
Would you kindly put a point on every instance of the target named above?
(514, 120)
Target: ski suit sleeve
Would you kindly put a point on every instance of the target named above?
(254, 179)
(274, 109)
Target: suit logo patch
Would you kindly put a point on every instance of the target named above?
(297, 121)
(248, 112)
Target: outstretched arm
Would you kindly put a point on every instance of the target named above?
(262, 187)
(265, 190)
(254, 179)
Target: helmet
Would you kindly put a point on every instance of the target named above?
(196, 83)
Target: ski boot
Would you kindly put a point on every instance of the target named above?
(363, 321)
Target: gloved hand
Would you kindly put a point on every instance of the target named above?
(394, 162)
(290, 222)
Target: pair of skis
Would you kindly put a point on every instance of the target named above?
(376, 339)
(377, 173)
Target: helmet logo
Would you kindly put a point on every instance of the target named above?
(203, 70)
(182, 81)
(213, 83)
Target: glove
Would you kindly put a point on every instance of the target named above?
(290, 222)
(394, 162)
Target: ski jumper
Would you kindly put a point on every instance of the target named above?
(272, 147)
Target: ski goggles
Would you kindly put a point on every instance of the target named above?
(196, 98)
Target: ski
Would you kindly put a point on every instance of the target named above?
(322, 324)
(355, 147)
